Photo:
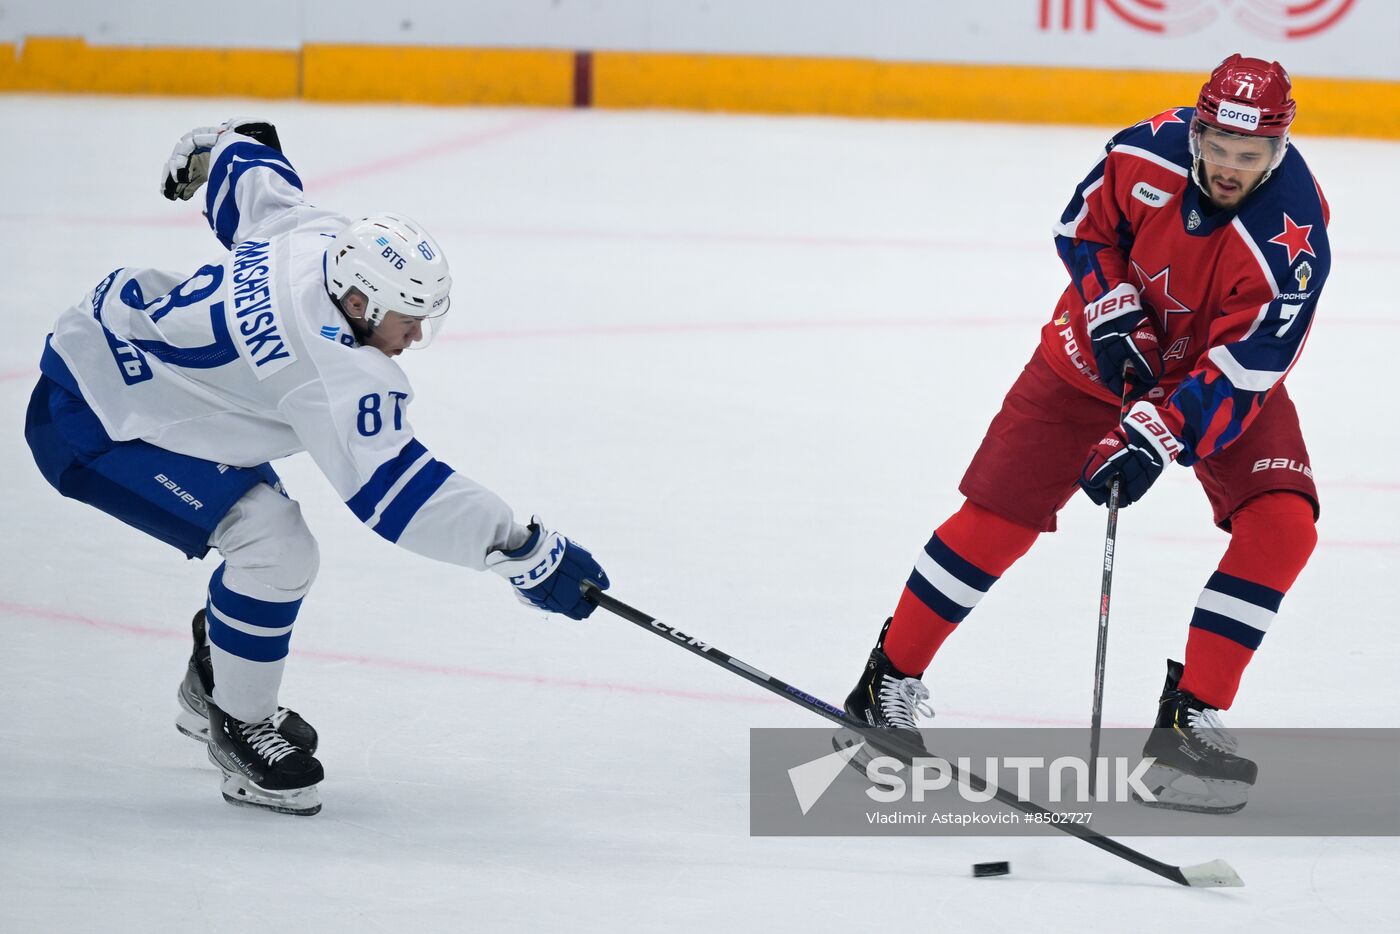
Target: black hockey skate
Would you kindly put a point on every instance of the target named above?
(1196, 768)
(261, 769)
(198, 687)
(885, 698)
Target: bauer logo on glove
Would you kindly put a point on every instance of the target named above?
(1147, 419)
(1121, 335)
(1134, 454)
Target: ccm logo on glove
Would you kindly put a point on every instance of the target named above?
(554, 550)
(548, 572)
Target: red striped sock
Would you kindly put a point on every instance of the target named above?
(965, 556)
(1271, 538)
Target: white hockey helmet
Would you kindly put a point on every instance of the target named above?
(395, 265)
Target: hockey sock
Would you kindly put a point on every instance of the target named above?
(270, 561)
(248, 640)
(964, 558)
(1271, 538)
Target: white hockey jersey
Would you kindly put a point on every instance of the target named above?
(248, 360)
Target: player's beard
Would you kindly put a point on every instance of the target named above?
(1229, 198)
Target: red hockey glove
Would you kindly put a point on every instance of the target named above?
(1135, 453)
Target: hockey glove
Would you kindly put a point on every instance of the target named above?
(1122, 335)
(1135, 453)
(188, 166)
(546, 572)
(187, 169)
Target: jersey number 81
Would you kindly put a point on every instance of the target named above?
(370, 421)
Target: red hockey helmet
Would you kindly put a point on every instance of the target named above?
(1246, 97)
(1249, 96)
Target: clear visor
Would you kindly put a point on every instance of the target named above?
(1234, 150)
(417, 330)
(394, 331)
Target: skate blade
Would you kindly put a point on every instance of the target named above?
(1176, 790)
(192, 727)
(191, 721)
(853, 748)
(857, 750)
(239, 791)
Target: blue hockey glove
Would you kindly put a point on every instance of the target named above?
(1135, 453)
(546, 572)
(1122, 335)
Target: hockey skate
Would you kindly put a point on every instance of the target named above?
(198, 686)
(1196, 768)
(886, 699)
(261, 769)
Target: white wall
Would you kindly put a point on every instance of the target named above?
(1190, 34)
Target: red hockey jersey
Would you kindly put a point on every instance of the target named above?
(1230, 292)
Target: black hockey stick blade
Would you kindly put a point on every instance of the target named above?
(1215, 873)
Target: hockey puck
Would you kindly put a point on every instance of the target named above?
(983, 870)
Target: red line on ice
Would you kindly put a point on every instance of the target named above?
(481, 674)
(375, 661)
(434, 150)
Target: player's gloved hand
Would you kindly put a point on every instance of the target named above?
(1135, 453)
(188, 166)
(1122, 335)
(187, 169)
(546, 572)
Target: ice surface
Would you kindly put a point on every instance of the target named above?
(745, 360)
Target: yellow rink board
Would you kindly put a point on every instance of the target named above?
(437, 75)
(707, 82)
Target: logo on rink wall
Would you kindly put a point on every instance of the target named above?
(1272, 19)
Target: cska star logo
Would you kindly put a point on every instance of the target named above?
(1156, 289)
(1161, 120)
(1294, 238)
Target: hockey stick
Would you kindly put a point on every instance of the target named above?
(1101, 652)
(1214, 873)
(1110, 540)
